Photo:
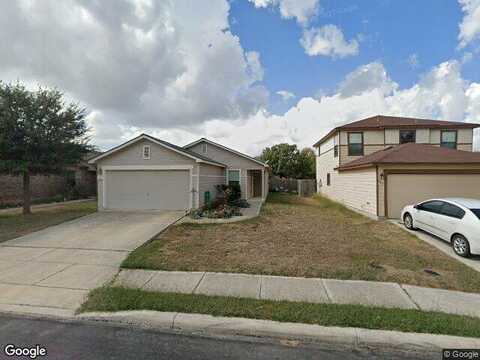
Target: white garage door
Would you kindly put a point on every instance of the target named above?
(147, 190)
(405, 189)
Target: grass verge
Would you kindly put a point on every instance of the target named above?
(109, 299)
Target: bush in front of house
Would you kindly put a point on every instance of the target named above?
(226, 205)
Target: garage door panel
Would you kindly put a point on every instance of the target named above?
(147, 190)
(405, 189)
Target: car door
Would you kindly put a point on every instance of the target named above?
(448, 220)
(425, 217)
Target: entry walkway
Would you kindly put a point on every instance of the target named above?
(312, 290)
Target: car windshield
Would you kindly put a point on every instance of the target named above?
(476, 212)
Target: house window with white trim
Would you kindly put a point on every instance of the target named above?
(204, 147)
(146, 152)
(233, 177)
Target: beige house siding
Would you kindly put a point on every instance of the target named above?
(133, 156)
(232, 160)
(419, 168)
(356, 189)
(210, 177)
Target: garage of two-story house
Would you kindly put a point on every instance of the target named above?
(380, 164)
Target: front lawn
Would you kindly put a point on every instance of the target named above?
(121, 299)
(308, 237)
(15, 225)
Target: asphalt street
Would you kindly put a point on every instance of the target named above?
(93, 340)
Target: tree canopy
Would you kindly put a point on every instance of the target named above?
(288, 161)
(39, 133)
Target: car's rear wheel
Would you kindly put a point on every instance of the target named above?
(461, 246)
(408, 222)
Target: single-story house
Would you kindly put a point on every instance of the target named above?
(147, 173)
(380, 164)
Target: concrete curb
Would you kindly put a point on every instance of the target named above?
(352, 337)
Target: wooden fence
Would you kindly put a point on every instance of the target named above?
(302, 187)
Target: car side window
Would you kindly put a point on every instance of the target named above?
(452, 211)
(433, 206)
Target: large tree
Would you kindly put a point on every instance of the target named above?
(39, 134)
(286, 160)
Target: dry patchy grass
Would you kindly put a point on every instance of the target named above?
(308, 237)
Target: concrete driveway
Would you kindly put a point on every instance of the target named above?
(51, 271)
(445, 247)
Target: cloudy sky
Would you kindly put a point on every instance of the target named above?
(246, 73)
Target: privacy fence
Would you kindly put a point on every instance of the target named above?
(302, 187)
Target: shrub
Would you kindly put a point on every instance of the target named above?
(230, 193)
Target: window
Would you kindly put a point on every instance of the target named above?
(204, 147)
(233, 177)
(335, 151)
(476, 212)
(452, 211)
(328, 179)
(146, 152)
(433, 206)
(355, 144)
(448, 139)
(407, 136)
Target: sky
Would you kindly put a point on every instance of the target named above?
(246, 73)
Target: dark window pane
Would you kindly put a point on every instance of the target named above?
(335, 151)
(452, 210)
(476, 212)
(449, 145)
(432, 206)
(407, 136)
(355, 149)
(328, 179)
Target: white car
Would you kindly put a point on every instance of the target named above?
(456, 220)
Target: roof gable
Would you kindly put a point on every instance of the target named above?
(238, 153)
(165, 144)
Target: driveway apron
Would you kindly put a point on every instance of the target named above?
(52, 270)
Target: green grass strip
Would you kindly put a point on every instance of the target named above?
(109, 299)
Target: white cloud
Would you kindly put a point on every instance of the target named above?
(328, 41)
(301, 10)
(441, 93)
(366, 78)
(285, 95)
(470, 25)
(164, 63)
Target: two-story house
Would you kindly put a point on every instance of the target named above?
(380, 164)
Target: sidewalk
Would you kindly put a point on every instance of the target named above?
(313, 290)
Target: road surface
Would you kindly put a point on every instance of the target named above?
(89, 340)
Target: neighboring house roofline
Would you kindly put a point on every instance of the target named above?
(413, 154)
(380, 122)
(198, 158)
(225, 148)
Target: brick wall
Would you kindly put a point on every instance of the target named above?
(42, 186)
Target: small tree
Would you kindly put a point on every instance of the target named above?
(39, 134)
(286, 160)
